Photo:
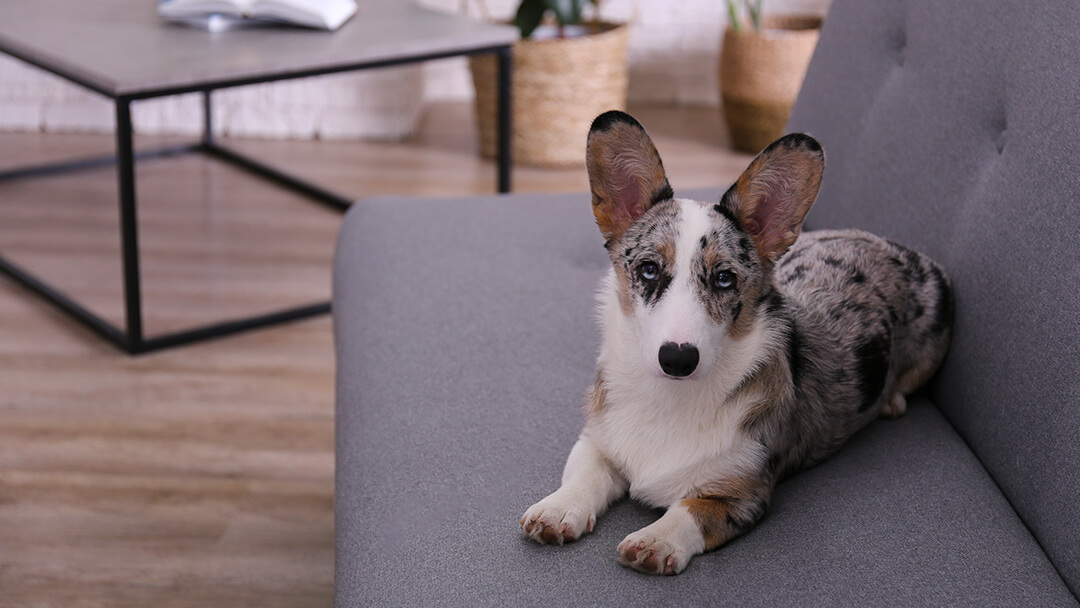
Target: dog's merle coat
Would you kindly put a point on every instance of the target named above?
(735, 351)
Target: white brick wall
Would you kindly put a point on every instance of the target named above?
(673, 59)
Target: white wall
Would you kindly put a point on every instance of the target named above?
(673, 59)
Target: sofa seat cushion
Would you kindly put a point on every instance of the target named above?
(466, 339)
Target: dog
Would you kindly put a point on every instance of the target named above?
(735, 352)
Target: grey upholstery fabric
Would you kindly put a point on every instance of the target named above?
(953, 127)
(466, 339)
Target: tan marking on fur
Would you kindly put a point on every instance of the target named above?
(732, 487)
(918, 374)
(597, 396)
(625, 175)
(712, 256)
(894, 407)
(773, 382)
(622, 286)
(711, 516)
(747, 317)
(711, 512)
(666, 249)
(908, 382)
(745, 323)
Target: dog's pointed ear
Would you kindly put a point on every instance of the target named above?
(771, 198)
(625, 173)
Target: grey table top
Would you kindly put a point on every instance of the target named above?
(122, 48)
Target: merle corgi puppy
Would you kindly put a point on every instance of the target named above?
(735, 352)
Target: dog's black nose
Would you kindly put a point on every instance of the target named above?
(678, 360)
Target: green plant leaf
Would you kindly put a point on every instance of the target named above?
(568, 12)
(733, 15)
(754, 6)
(529, 15)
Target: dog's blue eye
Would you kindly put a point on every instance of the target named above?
(649, 271)
(725, 279)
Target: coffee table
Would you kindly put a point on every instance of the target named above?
(122, 50)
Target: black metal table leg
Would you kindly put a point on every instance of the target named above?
(129, 228)
(505, 119)
(208, 119)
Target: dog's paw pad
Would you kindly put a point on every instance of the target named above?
(652, 555)
(550, 523)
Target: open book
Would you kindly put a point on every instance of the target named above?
(218, 14)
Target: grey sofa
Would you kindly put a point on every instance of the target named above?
(466, 340)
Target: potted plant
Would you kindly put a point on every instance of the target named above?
(762, 64)
(567, 69)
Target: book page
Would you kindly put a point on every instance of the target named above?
(200, 8)
(321, 14)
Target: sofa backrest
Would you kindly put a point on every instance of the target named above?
(954, 127)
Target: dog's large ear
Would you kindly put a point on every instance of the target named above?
(625, 173)
(771, 198)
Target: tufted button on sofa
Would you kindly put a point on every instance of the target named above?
(465, 342)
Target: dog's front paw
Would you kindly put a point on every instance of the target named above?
(556, 520)
(650, 554)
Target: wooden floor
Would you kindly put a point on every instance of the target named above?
(204, 475)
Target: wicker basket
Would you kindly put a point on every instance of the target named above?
(761, 74)
(558, 86)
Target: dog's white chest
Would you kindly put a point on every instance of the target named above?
(668, 449)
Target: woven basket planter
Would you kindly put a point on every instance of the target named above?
(761, 74)
(558, 86)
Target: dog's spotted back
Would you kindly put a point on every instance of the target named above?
(870, 321)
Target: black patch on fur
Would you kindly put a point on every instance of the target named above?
(652, 291)
(773, 465)
(802, 140)
(740, 519)
(797, 273)
(943, 307)
(735, 312)
(772, 300)
(703, 278)
(894, 317)
(858, 277)
(732, 522)
(744, 249)
(848, 308)
(911, 267)
(604, 121)
(795, 358)
(792, 255)
(872, 361)
(724, 209)
(834, 262)
(665, 193)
